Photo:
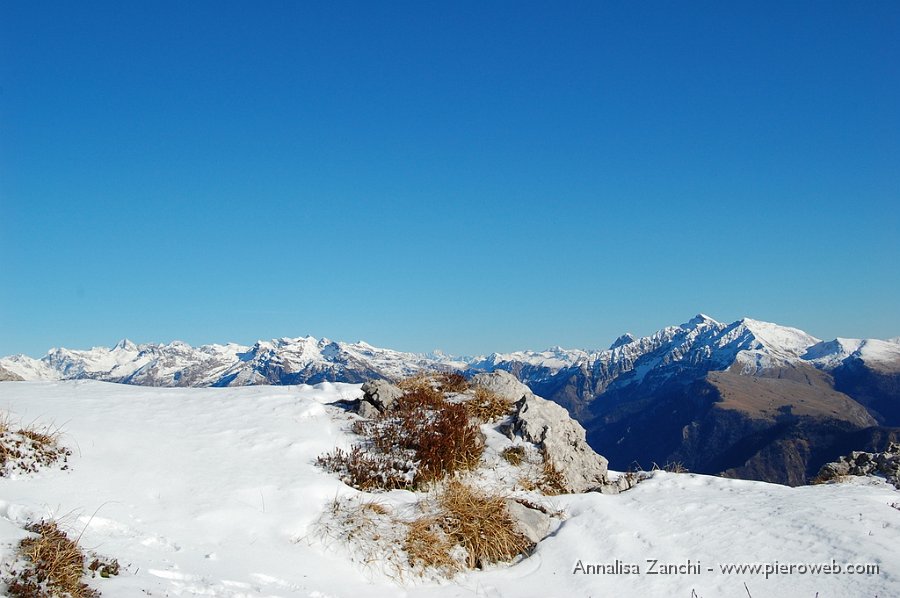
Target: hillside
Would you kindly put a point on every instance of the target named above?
(215, 492)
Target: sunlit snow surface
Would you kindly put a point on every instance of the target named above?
(212, 492)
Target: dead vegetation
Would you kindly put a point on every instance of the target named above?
(514, 455)
(456, 528)
(427, 545)
(444, 382)
(423, 438)
(487, 406)
(550, 481)
(51, 564)
(671, 467)
(26, 449)
(481, 524)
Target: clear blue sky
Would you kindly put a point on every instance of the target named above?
(466, 176)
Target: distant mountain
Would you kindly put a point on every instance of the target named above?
(747, 399)
(304, 360)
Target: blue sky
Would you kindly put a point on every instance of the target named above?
(464, 176)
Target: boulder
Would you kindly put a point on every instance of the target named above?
(563, 443)
(533, 523)
(378, 396)
(502, 384)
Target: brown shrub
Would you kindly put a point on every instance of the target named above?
(421, 439)
(447, 444)
(417, 381)
(452, 382)
(366, 471)
(54, 566)
(552, 482)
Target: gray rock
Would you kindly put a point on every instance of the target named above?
(367, 410)
(7, 376)
(503, 384)
(378, 395)
(535, 524)
(860, 463)
(563, 443)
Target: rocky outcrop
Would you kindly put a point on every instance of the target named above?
(503, 384)
(886, 463)
(562, 442)
(561, 439)
(7, 376)
(378, 396)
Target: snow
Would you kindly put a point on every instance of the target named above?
(871, 351)
(214, 491)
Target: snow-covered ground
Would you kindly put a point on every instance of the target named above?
(214, 491)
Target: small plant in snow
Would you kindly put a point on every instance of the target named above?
(50, 564)
(25, 450)
(420, 440)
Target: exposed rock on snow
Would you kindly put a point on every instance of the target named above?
(533, 523)
(860, 463)
(378, 395)
(7, 376)
(503, 384)
(562, 442)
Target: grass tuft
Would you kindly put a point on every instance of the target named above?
(481, 524)
(487, 406)
(514, 455)
(54, 566)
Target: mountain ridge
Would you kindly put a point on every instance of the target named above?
(754, 344)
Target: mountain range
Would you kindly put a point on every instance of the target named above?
(748, 399)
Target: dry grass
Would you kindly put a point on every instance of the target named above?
(549, 482)
(514, 455)
(54, 566)
(469, 529)
(456, 529)
(422, 439)
(368, 530)
(481, 524)
(671, 467)
(427, 545)
(552, 481)
(452, 382)
(487, 406)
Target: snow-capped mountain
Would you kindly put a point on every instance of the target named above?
(278, 361)
(699, 345)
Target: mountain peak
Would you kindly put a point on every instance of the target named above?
(125, 345)
(623, 340)
(700, 320)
